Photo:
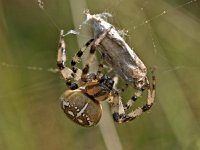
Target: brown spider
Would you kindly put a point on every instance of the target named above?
(82, 102)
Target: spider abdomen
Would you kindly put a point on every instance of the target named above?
(80, 108)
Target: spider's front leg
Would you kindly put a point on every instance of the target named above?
(90, 58)
(66, 72)
(132, 100)
(118, 110)
(78, 55)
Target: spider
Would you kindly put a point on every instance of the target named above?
(81, 103)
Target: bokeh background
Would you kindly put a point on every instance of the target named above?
(164, 34)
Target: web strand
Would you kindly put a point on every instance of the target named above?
(164, 12)
(30, 68)
(41, 6)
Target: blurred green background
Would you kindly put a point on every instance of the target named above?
(164, 33)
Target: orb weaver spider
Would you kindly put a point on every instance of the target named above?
(81, 103)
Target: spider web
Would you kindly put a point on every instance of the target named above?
(137, 24)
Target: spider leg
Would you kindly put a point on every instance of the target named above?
(66, 72)
(99, 71)
(118, 110)
(103, 66)
(91, 54)
(100, 67)
(150, 91)
(132, 100)
(115, 79)
(78, 55)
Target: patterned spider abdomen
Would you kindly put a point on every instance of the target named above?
(80, 108)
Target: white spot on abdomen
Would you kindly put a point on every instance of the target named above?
(70, 113)
(79, 120)
(82, 110)
(65, 104)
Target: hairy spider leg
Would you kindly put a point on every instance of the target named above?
(78, 55)
(118, 110)
(103, 66)
(139, 92)
(131, 101)
(61, 60)
(100, 67)
(66, 72)
(92, 52)
(99, 71)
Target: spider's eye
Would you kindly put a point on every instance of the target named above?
(104, 78)
(111, 82)
(106, 81)
(73, 86)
